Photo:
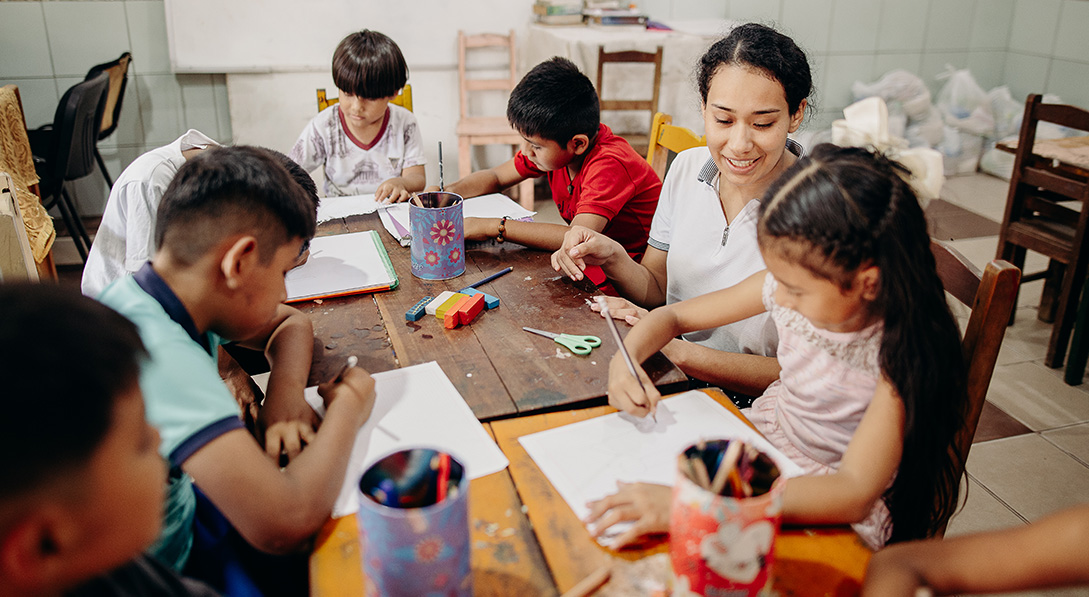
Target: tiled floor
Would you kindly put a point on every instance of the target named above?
(1032, 452)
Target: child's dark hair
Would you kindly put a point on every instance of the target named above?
(369, 64)
(227, 190)
(840, 209)
(298, 175)
(760, 47)
(554, 101)
(57, 419)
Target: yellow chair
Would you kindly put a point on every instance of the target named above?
(666, 138)
(403, 99)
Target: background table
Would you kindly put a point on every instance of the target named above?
(681, 51)
(550, 551)
(499, 369)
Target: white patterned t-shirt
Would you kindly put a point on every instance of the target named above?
(354, 168)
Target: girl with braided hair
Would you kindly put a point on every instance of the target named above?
(872, 389)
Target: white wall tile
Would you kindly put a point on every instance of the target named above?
(854, 26)
(83, 34)
(1034, 26)
(840, 73)
(223, 109)
(1070, 81)
(147, 29)
(160, 108)
(658, 10)
(991, 24)
(808, 22)
(987, 67)
(695, 9)
(761, 11)
(948, 25)
(198, 103)
(1025, 74)
(903, 25)
(909, 61)
(39, 97)
(24, 51)
(1072, 41)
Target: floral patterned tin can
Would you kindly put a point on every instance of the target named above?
(438, 236)
(416, 543)
(722, 546)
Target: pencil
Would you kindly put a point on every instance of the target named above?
(441, 187)
(491, 277)
(352, 362)
(620, 343)
(727, 469)
(590, 584)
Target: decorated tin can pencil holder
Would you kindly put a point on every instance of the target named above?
(414, 525)
(438, 235)
(723, 525)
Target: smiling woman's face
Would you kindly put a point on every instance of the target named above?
(746, 119)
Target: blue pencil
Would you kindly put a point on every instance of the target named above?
(490, 278)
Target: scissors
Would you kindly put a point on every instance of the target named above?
(576, 344)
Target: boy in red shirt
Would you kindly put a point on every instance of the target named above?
(597, 179)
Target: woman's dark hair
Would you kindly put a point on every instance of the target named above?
(65, 360)
(369, 64)
(758, 46)
(840, 209)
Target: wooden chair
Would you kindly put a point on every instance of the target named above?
(639, 140)
(1036, 220)
(486, 130)
(991, 296)
(667, 140)
(118, 70)
(17, 161)
(403, 99)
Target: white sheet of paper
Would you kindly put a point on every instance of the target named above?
(415, 407)
(495, 205)
(331, 208)
(340, 263)
(585, 460)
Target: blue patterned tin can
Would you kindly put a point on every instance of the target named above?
(438, 236)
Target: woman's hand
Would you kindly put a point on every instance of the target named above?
(646, 505)
(581, 247)
(622, 309)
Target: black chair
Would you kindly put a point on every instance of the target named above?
(65, 151)
(118, 70)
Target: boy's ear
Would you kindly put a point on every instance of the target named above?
(34, 554)
(578, 144)
(868, 280)
(236, 261)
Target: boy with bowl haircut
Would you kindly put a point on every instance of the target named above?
(596, 178)
(230, 225)
(81, 491)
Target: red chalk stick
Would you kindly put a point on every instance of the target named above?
(471, 308)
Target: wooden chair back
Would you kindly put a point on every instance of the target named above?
(991, 295)
(17, 163)
(667, 139)
(1036, 220)
(118, 71)
(637, 139)
(403, 98)
(468, 84)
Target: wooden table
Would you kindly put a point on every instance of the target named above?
(499, 369)
(546, 550)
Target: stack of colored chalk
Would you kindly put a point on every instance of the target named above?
(456, 308)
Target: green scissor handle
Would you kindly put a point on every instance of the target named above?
(578, 344)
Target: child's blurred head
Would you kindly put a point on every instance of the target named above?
(555, 103)
(81, 486)
(239, 215)
(369, 65)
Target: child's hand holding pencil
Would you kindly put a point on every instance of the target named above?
(352, 388)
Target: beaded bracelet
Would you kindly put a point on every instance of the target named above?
(502, 229)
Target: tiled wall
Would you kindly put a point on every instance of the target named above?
(1030, 45)
(47, 47)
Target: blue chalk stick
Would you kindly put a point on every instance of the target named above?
(417, 310)
(490, 301)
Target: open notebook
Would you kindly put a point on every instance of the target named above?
(342, 264)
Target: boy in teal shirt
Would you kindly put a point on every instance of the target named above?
(230, 225)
